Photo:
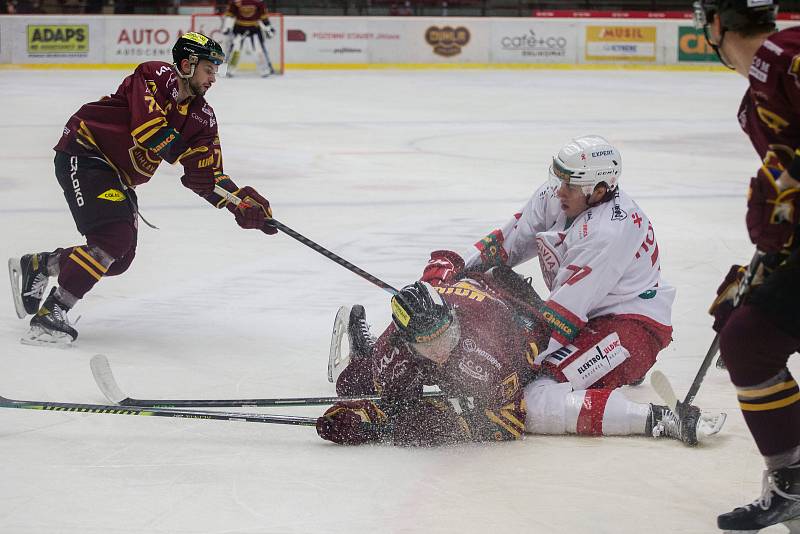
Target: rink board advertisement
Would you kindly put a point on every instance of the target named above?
(692, 45)
(533, 41)
(361, 42)
(139, 39)
(54, 39)
(621, 43)
(311, 40)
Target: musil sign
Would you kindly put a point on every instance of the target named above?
(618, 43)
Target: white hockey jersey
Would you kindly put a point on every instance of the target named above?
(603, 262)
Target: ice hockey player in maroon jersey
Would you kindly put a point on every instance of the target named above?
(247, 20)
(477, 340)
(757, 338)
(108, 148)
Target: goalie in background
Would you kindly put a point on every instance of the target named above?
(247, 20)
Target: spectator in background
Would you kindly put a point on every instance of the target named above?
(93, 6)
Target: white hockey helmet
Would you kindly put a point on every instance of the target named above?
(587, 161)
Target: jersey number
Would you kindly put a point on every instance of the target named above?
(578, 274)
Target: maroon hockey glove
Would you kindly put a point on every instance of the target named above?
(253, 211)
(442, 267)
(352, 423)
(722, 307)
(771, 215)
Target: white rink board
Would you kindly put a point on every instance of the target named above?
(362, 42)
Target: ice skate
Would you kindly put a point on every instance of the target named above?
(693, 427)
(29, 279)
(50, 326)
(359, 339)
(779, 503)
(335, 359)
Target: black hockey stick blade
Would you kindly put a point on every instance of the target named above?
(101, 369)
(156, 412)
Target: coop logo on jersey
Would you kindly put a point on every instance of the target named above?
(58, 38)
(692, 45)
(619, 43)
(532, 45)
(447, 41)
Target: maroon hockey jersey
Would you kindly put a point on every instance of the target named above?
(142, 124)
(483, 377)
(248, 13)
(770, 110)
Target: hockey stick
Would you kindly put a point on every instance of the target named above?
(660, 382)
(233, 199)
(156, 412)
(101, 370)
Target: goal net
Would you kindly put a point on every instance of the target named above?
(210, 24)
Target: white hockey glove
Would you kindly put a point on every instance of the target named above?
(269, 31)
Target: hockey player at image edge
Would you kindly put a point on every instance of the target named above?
(758, 337)
(106, 150)
(247, 21)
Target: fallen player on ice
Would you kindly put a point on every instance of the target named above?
(477, 339)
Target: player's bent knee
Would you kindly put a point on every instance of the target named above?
(552, 407)
(115, 239)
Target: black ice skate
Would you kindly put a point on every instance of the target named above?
(663, 422)
(50, 326)
(779, 503)
(28, 282)
(361, 339)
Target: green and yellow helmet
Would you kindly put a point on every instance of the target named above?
(196, 46)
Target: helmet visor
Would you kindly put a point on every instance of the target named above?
(438, 348)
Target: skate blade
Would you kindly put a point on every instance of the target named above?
(15, 274)
(336, 363)
(38, 337)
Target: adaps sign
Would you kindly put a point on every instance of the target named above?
(692, 45)
(447, 41)
(620, 43)
(58, 39)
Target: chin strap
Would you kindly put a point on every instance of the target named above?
(186, 77)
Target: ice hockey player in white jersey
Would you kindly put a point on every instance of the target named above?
(608, 307)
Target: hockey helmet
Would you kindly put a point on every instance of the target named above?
(420, 313)
(736, 15)
(587, 161)
(196, 46)
(425, 320)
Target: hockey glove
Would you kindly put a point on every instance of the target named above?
(269, 31)
(443, 266)
(772, 215)
(353, 423)
(253, 211)
(722, 307)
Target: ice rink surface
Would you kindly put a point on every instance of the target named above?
(381, 167)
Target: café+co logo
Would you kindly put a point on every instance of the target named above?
(447, 41)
